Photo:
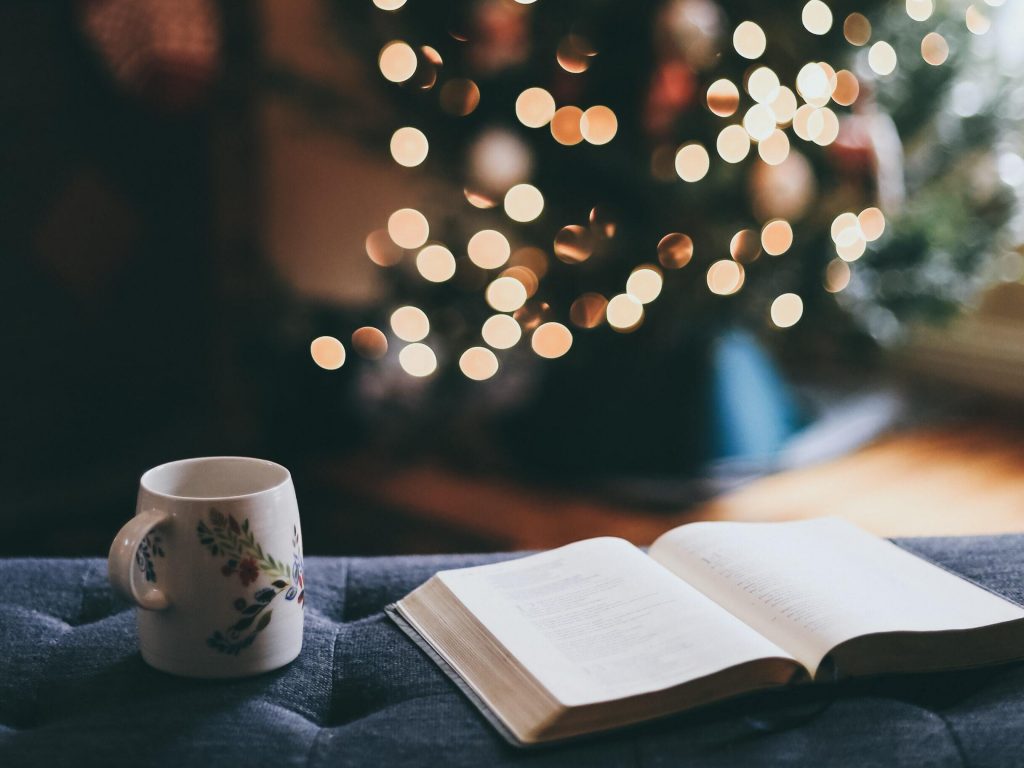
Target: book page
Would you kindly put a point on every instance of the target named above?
(599, 620)
(813, 584)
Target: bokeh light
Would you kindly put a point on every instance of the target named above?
(823, 126)
(882, 58)
(435, 263)
(934, 49)
(389, 5)
(598, 125)
(733, 143)
(816, 17)
(551, 340)
(573, 54)
(675, 250)
(565, 126)
(624, 313)
(776, 237)
(409, 146)
(787, 310)
(725, 277)
(460, 97)
(745, 246)
(759, 122)
(837, 275)
(812, 83)
(410, 323)
(801, 120)
(872, 223)
(574, 244)
(602, 222)
(535, 107)
(749, 40)
(977, 22)
(588, 310)
(784, 105)
(723, 97)
(920, 10)
(692, 162)
(506, 294)
(418, 360)
(775, 149)
(763, 85)
(408, 228)
(327, 352)
(847, 88)
(532, 257)
(525, 276)
(523, 202)
(370, 342)
(381, 249)
(397, 61)
(488, 249)
(645, 283)
(501, 331)
(478, 363)
(857, 29)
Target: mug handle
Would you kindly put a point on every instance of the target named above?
(121, 562)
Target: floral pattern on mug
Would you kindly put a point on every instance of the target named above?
(150, 547)
(225, 536)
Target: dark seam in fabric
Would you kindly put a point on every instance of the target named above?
(330, 698)
(955, 737)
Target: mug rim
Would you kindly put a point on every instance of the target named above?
(146, 477)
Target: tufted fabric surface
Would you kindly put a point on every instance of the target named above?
(74, 690)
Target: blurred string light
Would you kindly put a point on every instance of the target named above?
(764, 123)
(327, 352)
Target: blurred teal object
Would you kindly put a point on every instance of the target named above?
(753, 411)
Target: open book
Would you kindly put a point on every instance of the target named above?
(598, 634)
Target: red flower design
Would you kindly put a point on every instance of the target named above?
(228, 569)
(248, 571)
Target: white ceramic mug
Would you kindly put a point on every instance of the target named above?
(213, 558)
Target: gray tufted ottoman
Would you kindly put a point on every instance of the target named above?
(74, 690)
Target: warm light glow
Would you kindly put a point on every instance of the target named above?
(601, 222)
(532, 257)
(934, 49)
(327, 352)
(370, 342)
(389, 5)
(723, 97)
(506, 294)
(573, 54)
(551, 340)
(418, 360)
(524, 275)
(410, 323)
(784, 105)
(501, 331)
(759, 122)
(478, 363)
(488, 249)
(435, 263)
(535, 107)
(382, 249)
(397, 61)
(920, 10)
(776, 237)
(977, 22)
(624, 312)
(843, 222)
(644, 283)
(749, 40)
(882, 58)
(872, 223)
(801, 120)
(733, 143)
(524, 202)
(857, 29)
(775, 149)
(725, 277)
(409, 146)
(847, 88)
(408, 228)
(763, 85)
(565, 126)
(675, 250)
(823, 126)
(588, 311)
(837, 276)
(692, 162)
(532, 314)
(787, 310)
(816, 17)
(460, 97)
(851, 244)
(599, 125)
(745, 246)
(812, 83)
(478, 199)
(574, 244)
